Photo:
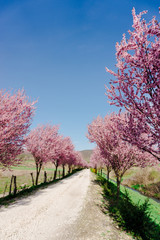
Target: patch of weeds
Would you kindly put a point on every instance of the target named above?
(157, 195)
(103, 234)
(137, 186)
(101, 180)
(154, 174)
(109, 189)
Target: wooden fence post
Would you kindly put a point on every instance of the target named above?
(5, 189)
(15, 186)
(54, 178)
(10, 188)
(63, 173)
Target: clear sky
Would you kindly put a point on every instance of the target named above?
(57, 51)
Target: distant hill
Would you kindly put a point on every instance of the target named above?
(86, 154)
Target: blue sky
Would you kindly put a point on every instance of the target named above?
(57, 51)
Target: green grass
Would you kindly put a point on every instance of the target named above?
(136, 197)
(134, 213)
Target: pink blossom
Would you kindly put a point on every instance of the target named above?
(137, 82)
(16, 113)
(119, 153)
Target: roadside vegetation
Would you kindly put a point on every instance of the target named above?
(23, 174)
(26, 173)
(133, 212)
(50, 151)
(145, 180)
(127, 142)
(26, 190)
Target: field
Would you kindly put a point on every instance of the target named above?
(23, 173)
(145, 180)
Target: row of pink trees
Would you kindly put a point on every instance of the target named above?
(46, 145)
(136, 84)
(98, 160)
(133, 138)
(44, 142)
(112, 150)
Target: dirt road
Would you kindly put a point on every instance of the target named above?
(63, 211)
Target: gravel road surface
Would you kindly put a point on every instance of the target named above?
(67, 210)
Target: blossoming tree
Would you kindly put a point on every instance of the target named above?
(40, 144)
(136, 83)
(120, 154)
(16, 112)
(65, 153)
(98, 160)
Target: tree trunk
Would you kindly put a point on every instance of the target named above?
(63, 174)
(118, 188)
(38, 169)
(108, 175)
(37, 175)
(55, 172)
(108, 172)
(101, 171)
(69, 169)
(32, 179)
(15, 186)
(95, 169)
(59, 174)
(10, 188)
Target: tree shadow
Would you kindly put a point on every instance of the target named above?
(134, 218)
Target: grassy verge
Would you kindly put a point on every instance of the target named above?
(133, 212)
